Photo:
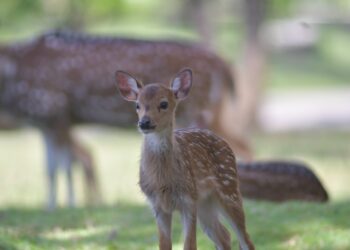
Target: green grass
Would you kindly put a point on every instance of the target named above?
(125, 221)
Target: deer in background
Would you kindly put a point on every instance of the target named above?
(62, 79)
(190, 170)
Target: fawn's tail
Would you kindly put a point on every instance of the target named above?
(280, 181)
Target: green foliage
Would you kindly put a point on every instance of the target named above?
(110, 8)
(334, 48)
(18, 9)
(71, 13)
(277, 8)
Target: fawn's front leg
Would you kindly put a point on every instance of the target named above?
(164, 228)
(189, 222)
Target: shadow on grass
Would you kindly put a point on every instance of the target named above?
(108, 226)
(130, 226)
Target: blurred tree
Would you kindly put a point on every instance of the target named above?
(198, 13)
(251, 71)
(76, 15)
(252, 66)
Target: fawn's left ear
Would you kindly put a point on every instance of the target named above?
(181, 84)
(128, 86)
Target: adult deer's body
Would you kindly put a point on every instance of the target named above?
(62, 79)
(69, 77)
(189, 170)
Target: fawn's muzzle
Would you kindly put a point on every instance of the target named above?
(145, 123)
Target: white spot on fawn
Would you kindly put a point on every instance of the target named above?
(226, 182)
(229, 176)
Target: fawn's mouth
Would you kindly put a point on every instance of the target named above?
(148, 130)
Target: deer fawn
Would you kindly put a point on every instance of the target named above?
(189, 170)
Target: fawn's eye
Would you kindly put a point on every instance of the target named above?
(163, 105)
(137, 106)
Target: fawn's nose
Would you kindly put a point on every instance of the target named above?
(145, 123)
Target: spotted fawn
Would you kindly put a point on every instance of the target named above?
(189, 170)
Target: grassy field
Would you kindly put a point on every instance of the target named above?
(125, 221)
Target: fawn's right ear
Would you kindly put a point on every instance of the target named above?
(182, 83)
(128, 86)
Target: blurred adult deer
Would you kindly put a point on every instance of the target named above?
(61, 79)
(190, 170)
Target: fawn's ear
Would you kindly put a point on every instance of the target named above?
(128, 86)
(181, 84)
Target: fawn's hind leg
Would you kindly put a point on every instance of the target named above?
(233, 211)
(209, 220)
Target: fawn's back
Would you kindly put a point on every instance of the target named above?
(210, 158)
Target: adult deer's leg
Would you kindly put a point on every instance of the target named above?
(92, 191)
(59, 153)
(51, 167)
(66, 159)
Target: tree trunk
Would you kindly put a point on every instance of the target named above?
(195, 12)
(251, 71)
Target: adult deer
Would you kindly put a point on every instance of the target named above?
(190, 170)
(61, 79)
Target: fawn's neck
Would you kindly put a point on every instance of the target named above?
(159, 143)
(158, 161)
(158, 149)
